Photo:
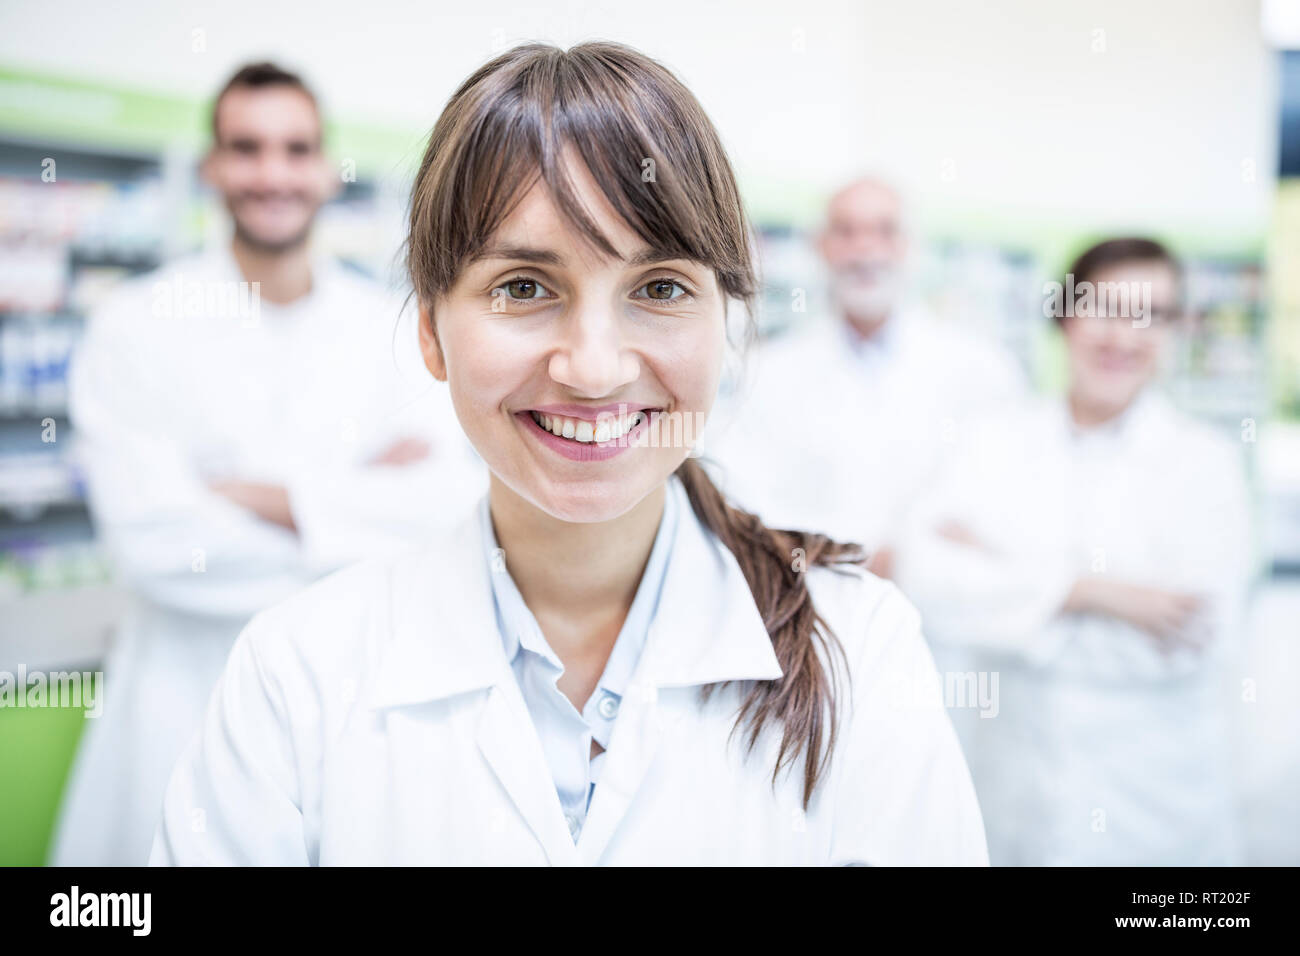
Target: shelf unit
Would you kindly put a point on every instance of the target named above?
(74, 219)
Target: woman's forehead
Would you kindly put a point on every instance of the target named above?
(538, 221)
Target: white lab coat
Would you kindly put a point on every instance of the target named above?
(374, 719)
(168, 394)
(1102, 750)
(816, 438)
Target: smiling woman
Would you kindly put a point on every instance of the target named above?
(566, 678)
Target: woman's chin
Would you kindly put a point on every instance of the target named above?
(590, 501)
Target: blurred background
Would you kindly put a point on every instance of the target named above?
(1018, 130)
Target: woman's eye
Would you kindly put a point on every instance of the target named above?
(662, 290)
(522, 289)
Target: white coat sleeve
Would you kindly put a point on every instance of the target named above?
(988, 598)
(360, 511)
(169, 536)
(1222, 557)
(1208, 553)
(235, 798)
(905, 795)
(976, 598)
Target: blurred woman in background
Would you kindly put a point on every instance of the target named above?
(1093, 553)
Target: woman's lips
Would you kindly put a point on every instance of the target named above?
(583, 432)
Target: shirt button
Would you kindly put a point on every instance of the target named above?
(608, 707)
(575, 825)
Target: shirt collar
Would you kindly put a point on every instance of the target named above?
(438, 634)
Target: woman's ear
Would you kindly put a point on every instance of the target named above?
(430, 348)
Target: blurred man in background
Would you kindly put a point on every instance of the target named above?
(844, 420)
(1093, 553)
(249, 418)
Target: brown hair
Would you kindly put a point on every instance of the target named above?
(1119, 251)
(624, 114)
(259, 76)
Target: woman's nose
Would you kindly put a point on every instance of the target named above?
(593, 358)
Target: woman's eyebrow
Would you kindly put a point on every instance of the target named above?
(648, 257)
(644, 256)
(542, 256)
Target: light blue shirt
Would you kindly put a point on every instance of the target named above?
(566, 735)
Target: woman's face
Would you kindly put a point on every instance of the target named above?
(581, 380)
(1113, 356)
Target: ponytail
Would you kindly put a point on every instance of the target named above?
(773, 563)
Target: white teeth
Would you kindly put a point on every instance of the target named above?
(582, 430)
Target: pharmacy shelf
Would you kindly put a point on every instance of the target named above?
(59, 628)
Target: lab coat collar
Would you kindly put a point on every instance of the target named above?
(443, 638)
(218, 262)
(708, 628)
(445, 642)
(1143, 425)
